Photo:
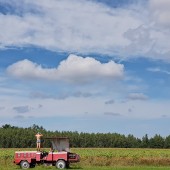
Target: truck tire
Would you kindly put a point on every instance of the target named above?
(60, 164)
(24, 165)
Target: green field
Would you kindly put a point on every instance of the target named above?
(104, 159)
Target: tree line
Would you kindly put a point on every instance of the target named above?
(18, 137)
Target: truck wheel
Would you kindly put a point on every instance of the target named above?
(61, 164)
(24, 165)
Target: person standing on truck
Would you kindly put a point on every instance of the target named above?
(38, 136)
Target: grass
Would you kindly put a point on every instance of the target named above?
(103, 159)
(124, 157)
(90, 168)
(123, 152)
(127, 168)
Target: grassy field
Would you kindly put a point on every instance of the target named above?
(104, 159)
(124, 157)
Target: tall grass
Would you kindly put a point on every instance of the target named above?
(103, 158)
(123, 157)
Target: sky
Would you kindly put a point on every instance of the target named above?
(86, 65)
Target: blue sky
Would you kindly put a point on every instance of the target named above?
(86, 65)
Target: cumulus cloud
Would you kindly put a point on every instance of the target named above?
(137, 96)
(88, 27)
(74, 69)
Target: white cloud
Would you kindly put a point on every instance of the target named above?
(78, 94)
(157, 69)
(110, 101)
(76, 26)
(78, 106)
(74, 69)
(161, 12)
(89, 27)
(112, 114)
(2, 108)
(137, 96)
(11, 91)
(22, 109)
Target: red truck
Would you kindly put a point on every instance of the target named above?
(59, 155)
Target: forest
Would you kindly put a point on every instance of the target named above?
(19, 137)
